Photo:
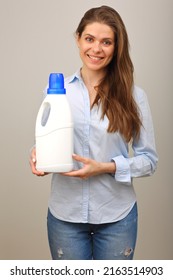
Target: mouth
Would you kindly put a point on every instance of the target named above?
(95, 58)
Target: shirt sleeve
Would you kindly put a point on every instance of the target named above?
(144, 159)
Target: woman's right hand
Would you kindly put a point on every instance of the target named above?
(32, 162)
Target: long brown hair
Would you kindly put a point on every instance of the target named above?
(115, 91)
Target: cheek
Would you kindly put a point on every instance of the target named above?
(82, 48)
(110, 54)
(82, 54)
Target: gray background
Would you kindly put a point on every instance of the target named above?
(37, 37)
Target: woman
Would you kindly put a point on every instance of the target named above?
(92, 209)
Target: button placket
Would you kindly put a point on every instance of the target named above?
(86, 151)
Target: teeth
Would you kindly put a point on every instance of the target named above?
(94, 57)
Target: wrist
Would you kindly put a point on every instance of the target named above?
(108, 167)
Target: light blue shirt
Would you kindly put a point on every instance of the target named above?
(107, 197)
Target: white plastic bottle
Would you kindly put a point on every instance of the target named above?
(54, 129)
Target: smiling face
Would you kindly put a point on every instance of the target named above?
(96, 45)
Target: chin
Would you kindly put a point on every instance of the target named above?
(95, 67)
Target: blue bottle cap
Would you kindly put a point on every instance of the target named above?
(56, 84)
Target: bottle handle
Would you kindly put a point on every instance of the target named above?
(45, 113)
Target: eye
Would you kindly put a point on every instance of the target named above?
(89, 39)
(107, 43)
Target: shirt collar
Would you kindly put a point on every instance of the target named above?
(76, 75)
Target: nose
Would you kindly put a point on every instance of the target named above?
(97, 47)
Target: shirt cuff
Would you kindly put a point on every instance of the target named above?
(122, 173)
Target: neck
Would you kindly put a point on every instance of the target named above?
(91, 78)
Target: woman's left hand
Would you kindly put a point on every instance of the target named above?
(90, 168)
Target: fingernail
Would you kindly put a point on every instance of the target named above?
(33, 160)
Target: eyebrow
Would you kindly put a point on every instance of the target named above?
(106, 38)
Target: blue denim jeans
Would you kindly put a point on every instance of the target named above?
(78, 241)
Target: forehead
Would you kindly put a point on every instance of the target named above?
(100, 30)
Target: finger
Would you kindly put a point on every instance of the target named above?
(33, 160)
(33, 168)
(76, 173)
(71, 174)
(79, 158)
(33, 153)
(38, 173)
